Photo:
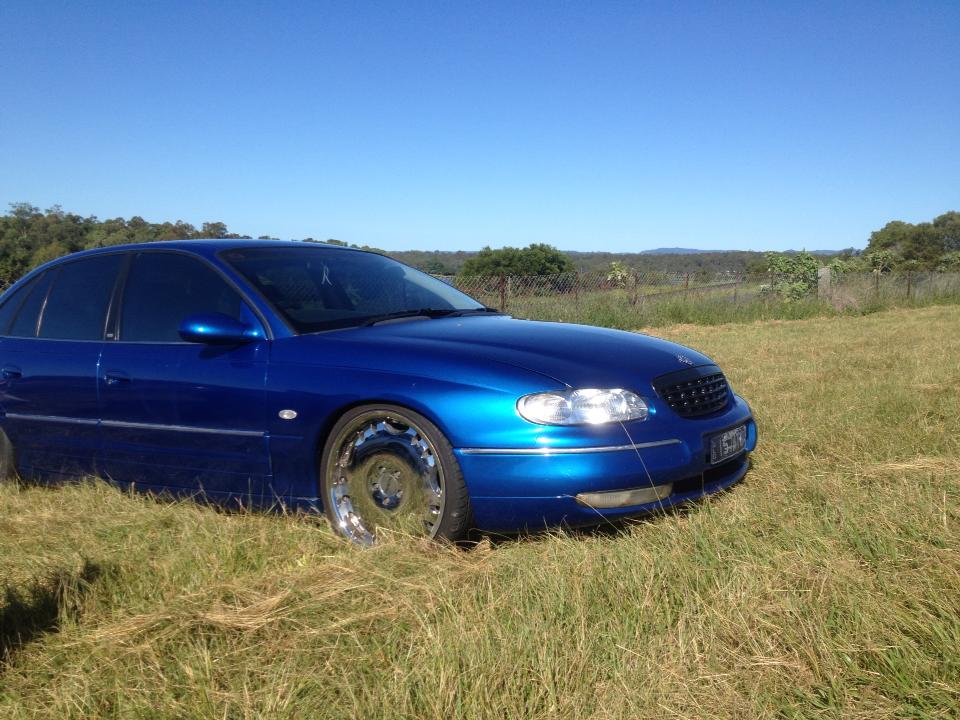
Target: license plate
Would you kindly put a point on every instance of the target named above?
(727, 443)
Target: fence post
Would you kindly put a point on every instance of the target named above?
(824, 283)
(876, 282)
(686, 282)
(909, 282)
(576, 288)
(736, 288)
(503, 293)
(636, 288)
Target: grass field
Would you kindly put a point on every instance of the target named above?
(713, 300)
(827, 584)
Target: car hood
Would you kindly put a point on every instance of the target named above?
(575, 355)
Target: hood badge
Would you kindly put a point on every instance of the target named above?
(684, 359)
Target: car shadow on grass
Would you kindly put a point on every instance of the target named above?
(26, 615)
(620, 527)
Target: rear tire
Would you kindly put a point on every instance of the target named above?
(387, 468)
(8, 463)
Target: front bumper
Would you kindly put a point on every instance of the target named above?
(534, 488)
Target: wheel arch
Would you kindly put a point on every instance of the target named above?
(322, 433)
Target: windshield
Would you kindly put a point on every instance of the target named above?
(318, 289)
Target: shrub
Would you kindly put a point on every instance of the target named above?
(795, 275)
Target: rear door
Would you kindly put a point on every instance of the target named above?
(48, 360)
(178, 415)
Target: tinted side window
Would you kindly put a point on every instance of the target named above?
(25, 321)
(12, 303)
(163, 289)
(77, 306)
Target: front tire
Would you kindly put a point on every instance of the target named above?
(386, 468)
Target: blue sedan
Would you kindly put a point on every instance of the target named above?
(325, 377)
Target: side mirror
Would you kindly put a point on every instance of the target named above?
(217, 329)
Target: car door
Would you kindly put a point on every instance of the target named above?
(48, 360)
(179, 415)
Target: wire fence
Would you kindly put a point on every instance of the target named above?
(625, 298)
(582, 295)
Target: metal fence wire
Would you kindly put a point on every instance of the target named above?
(592, 296)
(540, 295)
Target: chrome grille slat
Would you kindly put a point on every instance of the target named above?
(695, 391)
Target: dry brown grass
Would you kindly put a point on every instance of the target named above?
(826, 585)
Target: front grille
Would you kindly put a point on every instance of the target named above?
(694, 392)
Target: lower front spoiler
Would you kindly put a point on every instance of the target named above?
(513, 514)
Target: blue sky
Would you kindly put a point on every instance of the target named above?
(450, 125)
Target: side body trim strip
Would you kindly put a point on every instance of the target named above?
(133, 425)
(51, 419)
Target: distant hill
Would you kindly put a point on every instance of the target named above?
(675, 251)
(449, 263)
(694, 251)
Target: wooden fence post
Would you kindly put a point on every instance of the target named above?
(503, 293)
(909, 283)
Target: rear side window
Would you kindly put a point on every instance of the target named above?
(25, 319)
(163, 289)
(12, 303)
(77, 306)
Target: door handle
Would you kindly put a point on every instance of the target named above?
(115, 377)
(11, 373)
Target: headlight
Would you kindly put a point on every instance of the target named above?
(585, 406)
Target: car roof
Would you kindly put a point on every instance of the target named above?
(206, 247)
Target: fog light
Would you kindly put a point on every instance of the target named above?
(624, 498)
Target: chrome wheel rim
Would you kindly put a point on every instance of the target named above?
(384, 474)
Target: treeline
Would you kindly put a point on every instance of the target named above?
(933, 245)
(30, 236)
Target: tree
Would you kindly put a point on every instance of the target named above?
(950, 262)
(618, 274)
(213, 230)
(535, 259)
(882, 260)
(24, 211)
(435, 267)
(948, 227)
(921, 245)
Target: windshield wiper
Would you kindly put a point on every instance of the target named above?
(425, 312)
(475, 311)
(422, 312)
